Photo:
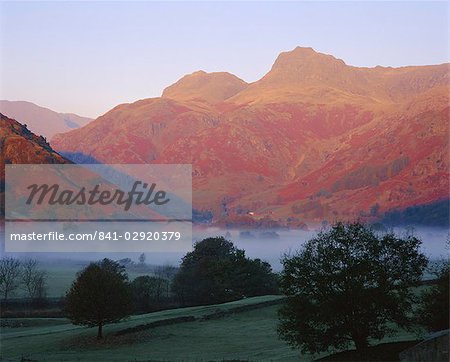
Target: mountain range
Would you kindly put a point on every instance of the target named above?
(40, 120)
(314, 139)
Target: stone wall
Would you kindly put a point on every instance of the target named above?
(434, 348)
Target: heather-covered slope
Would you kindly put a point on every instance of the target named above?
(314, 139)
(19, 145)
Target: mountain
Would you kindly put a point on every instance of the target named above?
(210, 87)
(303, 74)
(40, 120)
(314, 139)
(18, 145)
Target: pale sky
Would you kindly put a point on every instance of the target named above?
(87, 57)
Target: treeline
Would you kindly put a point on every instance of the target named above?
(435, 214)
(214, 272)
(22, 275)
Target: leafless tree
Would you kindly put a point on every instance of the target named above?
(10, 272)
(34, 279)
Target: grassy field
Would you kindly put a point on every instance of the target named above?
(241, 330)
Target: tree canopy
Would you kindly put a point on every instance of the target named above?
(216, 271)
(346, 285)
(99, 295)
(148, 292)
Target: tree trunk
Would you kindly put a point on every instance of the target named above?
(100, 329)
(361, 346)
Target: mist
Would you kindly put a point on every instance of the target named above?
(266, 245)
(272, 250)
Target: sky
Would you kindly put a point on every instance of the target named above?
(88, 57)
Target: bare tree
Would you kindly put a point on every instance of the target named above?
(34, 279)
(142, 258)
(10, 272)
(41, 286)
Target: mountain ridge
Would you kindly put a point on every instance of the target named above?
(304, 143)
(41, 120)
(212, 87)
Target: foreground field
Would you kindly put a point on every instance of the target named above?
(244, 329)
(241, 330)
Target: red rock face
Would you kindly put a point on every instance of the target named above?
(313, 139)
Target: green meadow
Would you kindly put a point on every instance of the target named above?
(243, 330)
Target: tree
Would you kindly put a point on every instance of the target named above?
(215, 272)
(434, 307)
(166, 272)
(33, 280)
(10, 271)
(147, 292)
(346, 285)
(142, 258)
(99, 295)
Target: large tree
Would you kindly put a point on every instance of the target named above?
(346, 285)
(216, 271)
(99, 295)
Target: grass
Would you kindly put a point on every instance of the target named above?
(241, 330)
(248, 334)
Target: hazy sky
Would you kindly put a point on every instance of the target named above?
(87, 57)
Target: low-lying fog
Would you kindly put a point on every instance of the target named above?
(263, 244)
(270, 249)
